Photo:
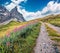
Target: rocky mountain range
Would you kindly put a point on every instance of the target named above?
(6, 16)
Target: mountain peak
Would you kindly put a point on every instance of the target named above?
(15, 14)
(5, 15)
(14, 9)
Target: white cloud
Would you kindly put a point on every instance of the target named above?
(13, 4)
(29, 15)
(17, 1)
(51, 8)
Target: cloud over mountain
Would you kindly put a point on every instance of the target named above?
(52, 7)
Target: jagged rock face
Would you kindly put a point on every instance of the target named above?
(15, 14)
(5, 15)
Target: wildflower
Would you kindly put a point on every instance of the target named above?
(8, 43)
(8, 34)
(21, 27)
(15, 30)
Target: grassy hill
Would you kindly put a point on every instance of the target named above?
(53, 19)
(4, 29)
(19, 37)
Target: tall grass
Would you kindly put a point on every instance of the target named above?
(20, 40)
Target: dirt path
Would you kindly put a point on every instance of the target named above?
(43, 44)
(57, 29)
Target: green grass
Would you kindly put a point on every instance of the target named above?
(9, 27)
(55, 22)
(56, 39)
(21, 41)
(12, 23)
(53, 19)
(53, 34)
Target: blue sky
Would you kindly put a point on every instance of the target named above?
(32, 9)
(34, 5)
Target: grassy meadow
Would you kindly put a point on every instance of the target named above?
(4, 29)
(55, 21)
(52, 19)
(52, 33)
(21, 38)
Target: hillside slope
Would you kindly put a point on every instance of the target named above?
(9, 27)
(53, 19)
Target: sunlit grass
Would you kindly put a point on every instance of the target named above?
(56, 39)
(9, 27)
(53, 34)
(21, 41)
(55, 21)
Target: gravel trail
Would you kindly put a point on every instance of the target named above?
(43, 43)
